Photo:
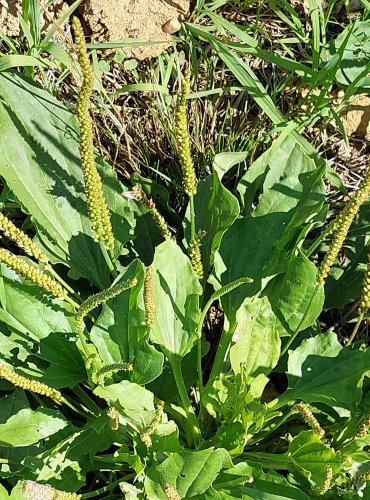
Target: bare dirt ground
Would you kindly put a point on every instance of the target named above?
(356, 118)
(105, 20)
(152, 20)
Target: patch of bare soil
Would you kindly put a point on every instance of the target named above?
(149, 20)
(356, 118)
(9, 10)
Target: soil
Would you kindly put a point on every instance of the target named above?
(356, 118)
(149, 20)
(9, 10)
(146, 20)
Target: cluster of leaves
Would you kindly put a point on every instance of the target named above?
(138, 413)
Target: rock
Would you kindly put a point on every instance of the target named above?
(148, 20)
(171, 26)
(356, 118)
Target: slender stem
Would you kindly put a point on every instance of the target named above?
(72, 302)
(324, 234)
(199, 347)
(192, 217)
(269, 460)
(192, 422)
(299, 327)
(355, 330)
(90, 403)
(109, 487)
(62, 282)
(108, 260)
(222, 349)
(84, 412)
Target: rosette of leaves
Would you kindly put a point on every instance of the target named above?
(140, 414)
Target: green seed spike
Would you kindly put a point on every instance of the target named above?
(309, 418)
(170, 492)
(327, 481)
(341, 225)
(96, 205)
(99, 298)
(363, 428)
(365, 295)
(148, 431)
(182, 138)
(157, 217)
(195, 256)
(113, 367)
(21, 239)
(7, 373)
(149, 304)
(31, 273)
(230, 287)
(114, 419)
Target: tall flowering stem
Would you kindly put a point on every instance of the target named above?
(341, 225)
(100, 298)
(364, 303)
(32, 273)
(8, 373)
(183, 139)
(139, 195)
(188, 170)
(15, 234)
(96, 205)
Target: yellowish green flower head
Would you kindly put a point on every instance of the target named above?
(195, 256)
(96, 205)
(340, 227)
(21, 239)
(149, 304)
(31, 273)
(182, 138)
(99, 298)
(7, 373)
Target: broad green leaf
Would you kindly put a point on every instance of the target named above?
(311, 457)
(40, 142)
(344, 284)
(257, 348)
(28, 427)
(120, 333)
(165, 387)
(176, 297)
(13, 456)
(25, 309)
(247, 481)
(165, 438)
(3, 493)
(47, 326)
(134, 403)
(215, 210)
(66, 367)
(292, 192)
(224, 161)
(72, 455)
(355, 57)
(321, 370)
(190, 473)
(290, 294)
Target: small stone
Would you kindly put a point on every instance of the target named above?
(171, 26)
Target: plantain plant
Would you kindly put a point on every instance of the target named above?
(112, 382)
